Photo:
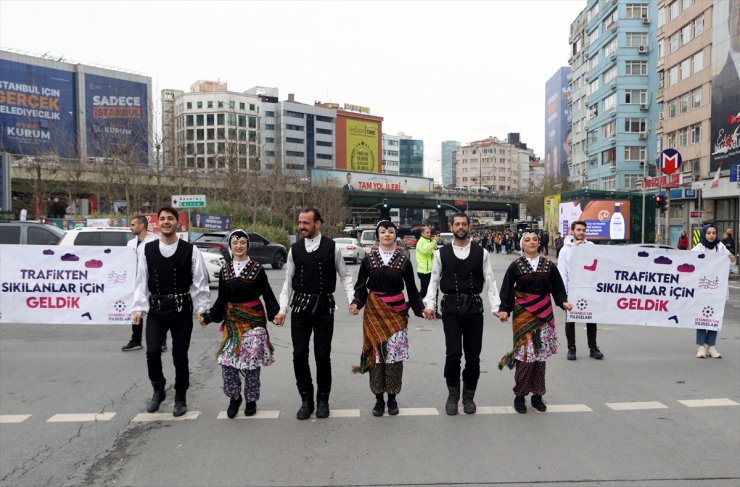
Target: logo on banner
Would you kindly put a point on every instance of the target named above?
(706, 283)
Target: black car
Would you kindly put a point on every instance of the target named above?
(260, 249)
(30, 233)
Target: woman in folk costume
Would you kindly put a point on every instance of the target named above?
(379, 289)
(245, 346)
(528, 284)
(708, 242)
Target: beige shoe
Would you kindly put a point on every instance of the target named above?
(702, 353)
(714, 353)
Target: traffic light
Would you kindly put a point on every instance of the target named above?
(660, 203)
(439, 205)
(385, 203)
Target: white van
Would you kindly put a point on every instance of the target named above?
(479, 189)
(461, 188)
(367, 239)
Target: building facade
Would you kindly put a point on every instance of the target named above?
(449, 147)
(54, 108)
(391, 164)
(410, 156)
(499, 166)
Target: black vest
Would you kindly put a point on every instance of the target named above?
(462, 276)
(172, 275)
(315, 272)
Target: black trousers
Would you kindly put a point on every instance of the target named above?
(570, 334)
(463, 333)
(321, 324)
(424, 283)
(136, 332)
(180, 326)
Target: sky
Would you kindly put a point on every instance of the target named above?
(435, 70)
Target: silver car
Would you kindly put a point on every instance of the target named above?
(351, 249)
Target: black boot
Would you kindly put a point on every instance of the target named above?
(322, 404)
(157, 398)
(519, 405)
(379, 407)
(571, 353)
(538, 404)
(467, 399)
(392, 405)
(452, 398)
(181, 406)
(250, 409)
(307, 405)
(234, 404)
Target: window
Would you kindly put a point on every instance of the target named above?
(252, 122)
(593, 87)
(232, 104)
(674, 42)
(199, 120)
(696, 133)
(320, 118)
(686, 4)
(685, 68)
(636, 68)
(686, 34)
(699, 25)
(200, 134)
(636, 39)
(592, 137)
(210, 104)
(231, 118)
(324, 156)
(696, 98)
(242, 120)
(211, 134)
(294, 153)
(269, 140)
(220, 104)
(322, 143)
(200, 104)
(610, 74)
(209, 119)
(609, 130)
(610, 48)
(634, 125)
(324, 131)
(190, 105)
(635, 96)
(297, 128)
(189, 134)
(189, 120)
(269, 126)
(635, 153)
(673, 76)
(252, 107)
(661, 16)
(220, 119)
(671, 108)
(269, 152)
(242, 106)
(610, 21)
(683, 103)
(683, 137)
(294, 140)
(671, 139)
(609, 156)
(698, 61)
(673, 8)
(41, 236)
(289, 113)
(636, 11)
(269, 114)
(610, 102)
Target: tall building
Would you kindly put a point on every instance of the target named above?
(215, 129)
(502, 166)
(613, 82)
(410, 156)
(54, 108)
(391, 164)
(557, 127)
(448, 162)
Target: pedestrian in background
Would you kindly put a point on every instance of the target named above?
(528, 284)
(425, 248)
(707, 339)
(382, 277)
(683, 241)
(245, 303)
(559, 242)
(138, 225)
(729, 241)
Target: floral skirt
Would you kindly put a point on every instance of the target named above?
(549, 338)
(255, 351)
(397, 348)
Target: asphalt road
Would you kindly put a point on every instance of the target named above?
(616, 422)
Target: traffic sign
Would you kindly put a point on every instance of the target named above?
(670, 161)
(188, 201)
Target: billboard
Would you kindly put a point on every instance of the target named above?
(370, 183)
(117, 118)
(5, 201)
(37, 110)
(210, 222)
(605, 219)
(362, 145)
(551, 208)
(557, 130)
(725, 134)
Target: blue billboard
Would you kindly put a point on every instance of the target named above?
(557, 130)
(117, 118)
(37, 110)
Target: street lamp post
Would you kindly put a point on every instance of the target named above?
(642, 224)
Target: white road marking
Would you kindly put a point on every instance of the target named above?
(734, 286)
(418, 412)
(73, 418)
(493, 410)
(699, 403)
(344, 413)
(568, 408)
(165, 416)
(13, 418)
(257, 415)
(630, 406)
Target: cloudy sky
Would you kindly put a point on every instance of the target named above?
(436, 70)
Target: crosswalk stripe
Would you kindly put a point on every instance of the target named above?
(165, 416)
(631, 406)
(344, 413)
(257, 415)
(418, 412)
(568, 408)
(494, 410)
(73, 418)
(13, 418)
(698, 403)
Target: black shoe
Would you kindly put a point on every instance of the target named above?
(164, 346)
(392, 405)
(519, 405)
(538, 404)
(467, 400)
(571, 354)
(152, 406)
(250, 408)
(306, 406)
(181, 406)
(322, 409)
(379, 407)
(234, 407)
(596, 353)
(132, 345)
(452, 398)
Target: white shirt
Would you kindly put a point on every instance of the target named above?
(462, 253)
(564, 259)
(312, 244)
(199, 291)
(134, 242)
(239, 265)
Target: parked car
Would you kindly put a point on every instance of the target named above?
(214, 261)
(100, 236)
(410, 241)
(29, 233)
(260, 249)
(367, 239)
(351, 249)
(445, 238)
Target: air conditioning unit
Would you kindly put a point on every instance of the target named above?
(645, 19)
(643, 135)
(643, 106)
(612, 140)
(642, 49)
(613, 169)
(613, 55)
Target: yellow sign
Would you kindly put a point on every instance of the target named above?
(552, 204)
(362, 146)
